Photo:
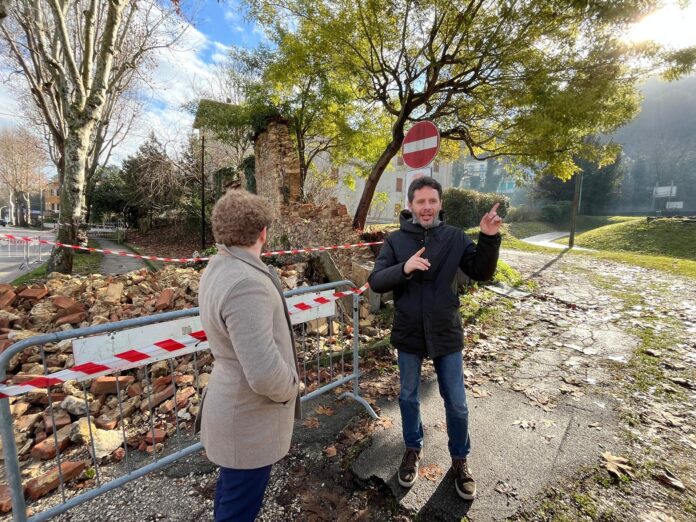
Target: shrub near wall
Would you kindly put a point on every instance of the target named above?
(465, 208)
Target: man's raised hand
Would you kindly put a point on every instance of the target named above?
(416, 262)
(491, 221)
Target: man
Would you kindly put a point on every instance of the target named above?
(250, 403)
(419, 264)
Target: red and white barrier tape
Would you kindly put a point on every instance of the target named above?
(181, 259)
(127, 358)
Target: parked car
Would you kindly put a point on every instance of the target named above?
(3, 222)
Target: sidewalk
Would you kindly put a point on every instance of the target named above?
(112, 264)
(547, 240)
(511, 464)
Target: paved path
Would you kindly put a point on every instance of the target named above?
(547, 240)
(113, 264)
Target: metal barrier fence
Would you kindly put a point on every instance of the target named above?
(327, 341)
(29, 252)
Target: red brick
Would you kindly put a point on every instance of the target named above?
(105, 422)
(46, 449)
(4, 287)
(63, 303)
(34, 293)
(108, 384)
(159, 436)
(72, 318)
(118, 454)
(5, 344)
(56, 397)
(183, 396)
(40, 486)
(135, 390)
(165, 299)
(5, 498)
(160, 383)
(183, 380)
(7, 299)
(62, 419)
(158, 398)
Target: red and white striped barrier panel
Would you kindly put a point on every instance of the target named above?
(182, 259)
(141, 355)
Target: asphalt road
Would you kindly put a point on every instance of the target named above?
(12, 253)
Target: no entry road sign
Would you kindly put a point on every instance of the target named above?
(421, 144)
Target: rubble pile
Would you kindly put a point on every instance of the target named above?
(118, 405)
(142, 406)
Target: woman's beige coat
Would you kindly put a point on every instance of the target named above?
(249, 406)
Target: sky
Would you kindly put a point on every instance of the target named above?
(218, 24)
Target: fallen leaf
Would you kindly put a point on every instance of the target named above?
(311, 422)
(524, 424)
(506, 489)
(595, 425)
(430, 472)
(330, 451)
(667, 477)
(479, 392)
(548, 423)
(616, 465)
(324, 410)
(386, 423)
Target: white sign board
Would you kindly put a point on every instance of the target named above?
(324, 310)
(100, 347)
(665, 192)
(412, 175)
(675, 204)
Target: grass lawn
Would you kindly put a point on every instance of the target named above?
(661, 237)
(84, 263)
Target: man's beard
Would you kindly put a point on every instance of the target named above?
(435, 222)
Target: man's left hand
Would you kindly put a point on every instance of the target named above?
(490, 223)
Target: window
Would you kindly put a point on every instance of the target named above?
(399, 184)
(399, 160)
(334, 173)
(436, 166)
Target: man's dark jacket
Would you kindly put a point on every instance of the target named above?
(427, 319)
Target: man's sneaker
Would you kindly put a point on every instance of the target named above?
(463, 481)
(408, 471)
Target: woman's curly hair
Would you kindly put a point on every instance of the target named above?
(239, 217)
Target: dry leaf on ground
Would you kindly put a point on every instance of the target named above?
(431, 472)
(616, 465)
(330, 451)
(667, 477)
(324, 410)
(311, 422)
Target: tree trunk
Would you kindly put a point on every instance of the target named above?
(371, 183)
(71, 198)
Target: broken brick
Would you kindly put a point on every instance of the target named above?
(72, 318)
(165, 299)
(109, 384)
(41, 486)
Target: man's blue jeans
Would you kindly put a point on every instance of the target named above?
(450, 379)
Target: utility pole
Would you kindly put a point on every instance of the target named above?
(575, 208)
(202, 192)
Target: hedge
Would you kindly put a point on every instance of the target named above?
(465, 208)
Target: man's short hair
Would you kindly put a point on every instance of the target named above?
(421, 182)
(239, 217)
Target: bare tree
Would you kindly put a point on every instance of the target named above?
(79, 58)
(21, 169)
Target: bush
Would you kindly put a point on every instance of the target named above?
(551, 213)
(564, 208)
(465, 208)
(523, 213)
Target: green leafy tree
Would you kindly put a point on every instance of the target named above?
(528, 80)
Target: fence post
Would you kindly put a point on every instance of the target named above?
(9, 449)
